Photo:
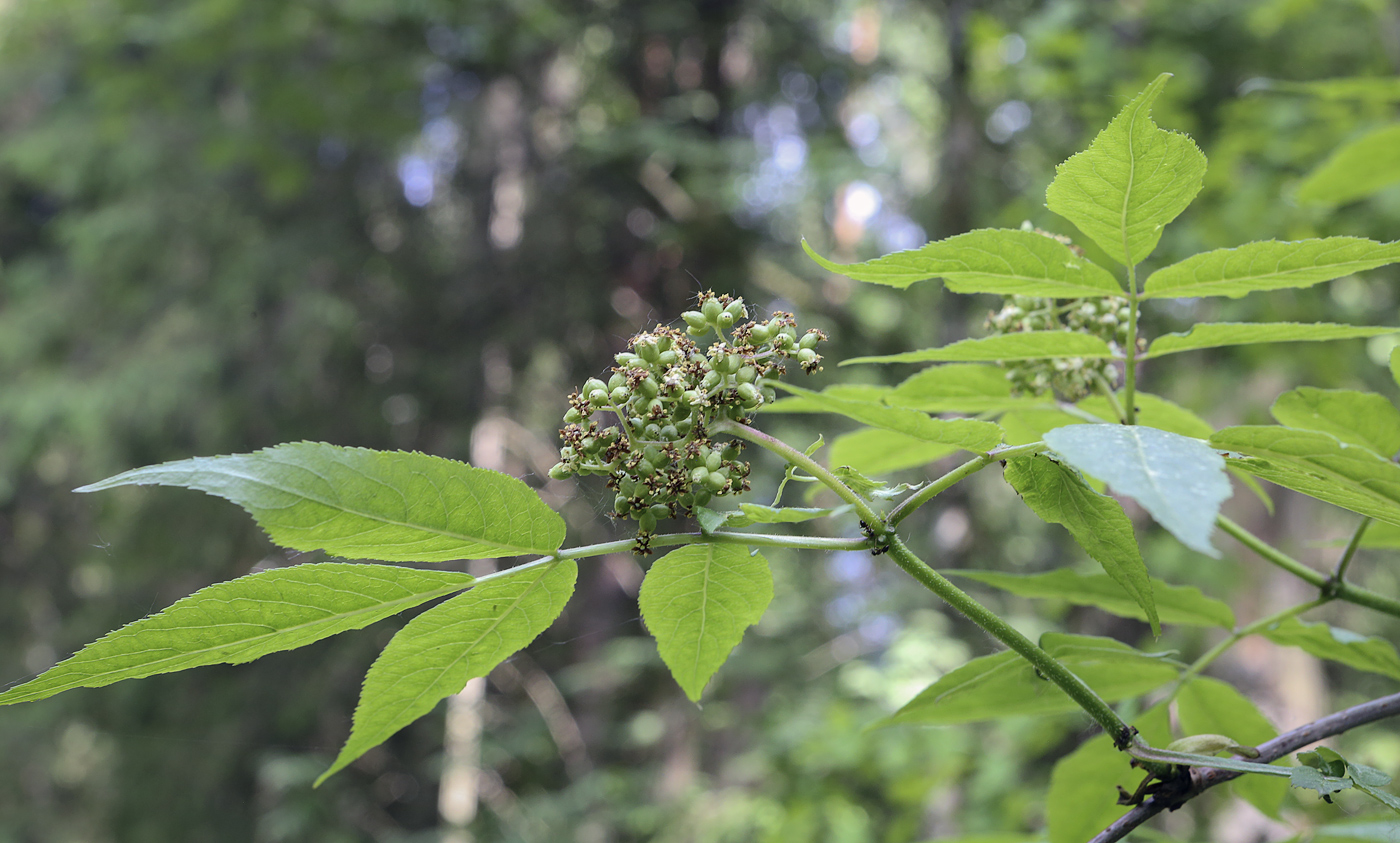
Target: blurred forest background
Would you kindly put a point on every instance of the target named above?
(226, 224)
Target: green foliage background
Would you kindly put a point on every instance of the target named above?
(207, 248)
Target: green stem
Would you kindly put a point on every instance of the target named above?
(804, 462)
(908, 505)
(1243, 632)
(1112, 397)
(999, 629)
(1330, 587)
(1130, 364)
(1342, 564)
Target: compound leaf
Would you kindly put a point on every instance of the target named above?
(697, 601)
(1268, 265)
(1131, 181)
(1317, 464)
(1059, 495)
(1219, 334)
(1175, 603)
(1178, 480)
(970, 434)
(1374, 655)
(1210, 706)
(813, 402)
(1003, 261)
(874, 451)
(436, 653)
(245, 619)
(1023, 345)
(1357, 418)
(1005, 684)
(1355, 169)
(363, 504)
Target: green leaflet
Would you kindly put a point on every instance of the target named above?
(752, 513)
(1153, 411)
(1374, 88)
(1024, 345)
(1178, 480)
(1005, 684)
(1374, 655)
(1210, 706)
(959, 388)
(874, 451)
(245, 619)
(1357, 418)
(1059, 496)
(1379, 534)
(1131, 181)
(814, 402)
(1003, 261)
(1268, 265)
(1218, 334)
(969, 434)
(1355, 169)
(1319, 465)
(1395, 365)
(697, 601)
(363, 504)
(1083, 795)
(436, 654)
(1175, 603)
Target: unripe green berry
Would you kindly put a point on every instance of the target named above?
(598, 397)
(810, 339)
(646, 522)
(807, 355)
(702, 497)
(620, 505)
(670, 433)
(711, 309)
(648, 387)
(748, 393)
(660, 510)
(617, 379)
(620, 395)
(572, 416)
(736, 310)
(713, 460)
(746, 374)
(758, 334)
(667, 358)
(559, 471)
(647, 350)
(725, 320)
(698, 475)
(645, 468)
(696, 320)
(711, 380)
(714, 481)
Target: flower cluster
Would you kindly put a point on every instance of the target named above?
(664, 394)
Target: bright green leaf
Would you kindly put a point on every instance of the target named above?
(874, 451)
(1379, 534)
(1268, 265)
(1025, 426)
(1309, 778)
(1209, 705)
(1395, 365)
(1023, 345)
(1317, 464)
(959, 388)
(1153, 411)
(1059, 495)
(1358, 418)
(436, 653)
(1003, 261)
(1219, 334)
(1389, 800)
(1005, 684)
(363, 504)
(1131, 181)
(752, 513)
(1355, 169)
(1374, 655)
(245, 619)
(1175, 603)
(1083, 795)
(969, 434)
(697, 601)
(868, 393)
(1179, 481)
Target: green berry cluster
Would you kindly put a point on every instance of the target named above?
(647, 428)
(1071, 377)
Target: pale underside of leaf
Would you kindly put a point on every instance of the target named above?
(1024, 345)
(1371, 654)
(1131, 181)
(354, 502)
(1001, 261)
(1179, 481)
(1220, 334)
(1268, 265)
(244, 619)
(697, 601)
(440, 650)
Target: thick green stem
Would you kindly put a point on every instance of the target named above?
(1130, 364)
(967, 469)
(1342, 564)
(999, 629)
(1328, 586)
(804, 462)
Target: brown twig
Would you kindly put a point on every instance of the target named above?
(1203, 778)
